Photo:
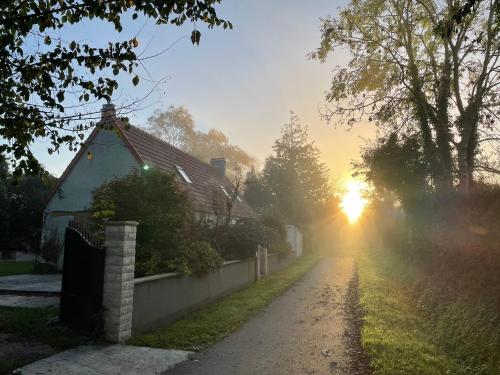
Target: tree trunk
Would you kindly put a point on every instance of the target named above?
(466, 149)
(463, 169)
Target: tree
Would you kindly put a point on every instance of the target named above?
(257, 193)
(21, 208)
(296, 177)
(413, 66)
(176, 126)
(38, 68)
(396, 167)
(26, 205)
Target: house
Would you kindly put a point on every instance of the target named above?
(114, 150)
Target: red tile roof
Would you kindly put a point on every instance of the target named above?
(204, 192)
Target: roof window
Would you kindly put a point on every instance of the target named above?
(184, 175)
(224, 191)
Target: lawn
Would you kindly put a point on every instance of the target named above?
(26, 326)
(210, 324)
(396, 335)
(9, 268)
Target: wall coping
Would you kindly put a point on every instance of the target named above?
(146, 279)
(275, 254)
(125, 222)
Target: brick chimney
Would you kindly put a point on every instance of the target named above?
(220, 165)
(108, 112)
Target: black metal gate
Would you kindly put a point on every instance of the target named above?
(82, 280)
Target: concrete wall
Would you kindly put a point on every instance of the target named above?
(276, 262)
(110, 159)
(161, 299)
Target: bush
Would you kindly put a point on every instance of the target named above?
(164, 233)
(198, 258)
(240, 239)
(42, 268)
(274, 234)
(453, 261)
(49, 250)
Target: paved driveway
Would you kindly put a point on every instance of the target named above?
(305, 331)
(31, 284)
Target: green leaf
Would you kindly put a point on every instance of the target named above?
(135, 80)
(195, 37)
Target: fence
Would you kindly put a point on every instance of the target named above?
(136, 306)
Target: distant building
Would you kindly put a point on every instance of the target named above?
(118, 150)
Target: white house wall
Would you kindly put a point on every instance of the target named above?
(110, 159)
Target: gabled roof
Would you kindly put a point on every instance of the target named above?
(204, 192)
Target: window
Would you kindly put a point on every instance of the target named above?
(184, 174)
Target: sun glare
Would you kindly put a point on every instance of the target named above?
(353, 203)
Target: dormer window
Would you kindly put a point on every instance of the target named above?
(184, 175)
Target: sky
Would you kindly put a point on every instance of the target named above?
(243, 81)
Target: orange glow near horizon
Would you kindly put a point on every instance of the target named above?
(353, 202)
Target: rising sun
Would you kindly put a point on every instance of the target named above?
(353, 202)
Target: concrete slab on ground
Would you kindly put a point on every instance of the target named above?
(110, 360)
(31, 284)
(28, 301)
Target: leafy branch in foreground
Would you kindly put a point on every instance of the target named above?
(39, 70)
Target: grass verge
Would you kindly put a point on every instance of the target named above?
(9, 268)
(25, 326)
(396, 335)
(210, 324)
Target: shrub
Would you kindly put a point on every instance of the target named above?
(240, 239)
(49, 250)
(237, 240)
(163, 212)
(42, 268)
(198, 258)
(274, 236)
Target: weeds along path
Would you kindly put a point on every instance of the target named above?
(311, 329)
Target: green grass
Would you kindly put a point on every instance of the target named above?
(396, 335)
(212, 323)
(9, 268)
(31, 325)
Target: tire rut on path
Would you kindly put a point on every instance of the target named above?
(310, 329)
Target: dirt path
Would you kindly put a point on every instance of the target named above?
(311, 329)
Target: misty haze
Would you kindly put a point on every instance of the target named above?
(250, 187)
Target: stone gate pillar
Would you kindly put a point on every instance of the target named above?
(118, 287)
